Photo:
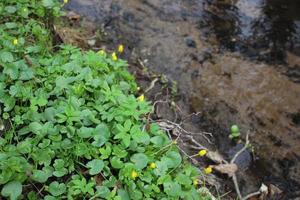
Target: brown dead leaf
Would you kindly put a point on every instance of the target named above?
(228, 169)
(99, 179)
(215, 156)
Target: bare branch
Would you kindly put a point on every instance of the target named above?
(241, 150)
(152, 84)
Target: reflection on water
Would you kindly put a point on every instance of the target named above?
(261, 29)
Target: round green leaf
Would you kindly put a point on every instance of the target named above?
(140, 160)
(6, 56)
(57, 189)
(116, 162)
(12, 190)
(95, 166)
(40, 176)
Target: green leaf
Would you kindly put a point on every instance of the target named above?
(172, 189)
(48, 197)
(50, 113)
(40, 176)
(6, 57)
(24, 146)
(116, 163)
(119, 151)
(102, 135)
(102, 191)
(12, 70)
(85, 132)
(183, 179)
(60, 170)
(127, 125)
(126, 140)
(10, 9)
(140, 160)
(57, 189)
(123, 194)
(161, 168)
(63, 82)
(159, 140)
(35, 127)
(10, 25)
(172, 159)
(141, 137)
(48, 3)
(26, 74)
(12, 190)
(95, 166)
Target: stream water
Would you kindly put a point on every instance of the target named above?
(235, 61)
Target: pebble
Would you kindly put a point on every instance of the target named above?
(190, 43)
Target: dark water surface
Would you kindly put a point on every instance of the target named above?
(260, 29)
(236, 62)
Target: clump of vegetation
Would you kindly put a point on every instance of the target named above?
(73, 126)
(234, 132)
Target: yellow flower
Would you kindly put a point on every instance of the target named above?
(15, 41)
(101, 52)
(208, 170)
(141, 98)
(134, 174)
(195, 182)
(120, 48)
(114, 56)
(202, 152)
(152, 165)
(66, 1)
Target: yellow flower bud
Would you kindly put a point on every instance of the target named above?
(202, 152)
(15, 41)
(101, 52)
(134, 174)
(141, 98)
(120, 48)
(114, 56)
(195, 182)
(174, 142)
(208, 170)
(152, 165)
(66, 1)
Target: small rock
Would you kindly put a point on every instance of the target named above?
(91, 42)
(244, 160)
(72, 15)
(190, 43)
(204, 56)
(128, 16)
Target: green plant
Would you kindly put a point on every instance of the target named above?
(234, 132)
(74, 128)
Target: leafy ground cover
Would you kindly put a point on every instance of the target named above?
(73, 128)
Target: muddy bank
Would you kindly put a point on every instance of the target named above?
(225, 87)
